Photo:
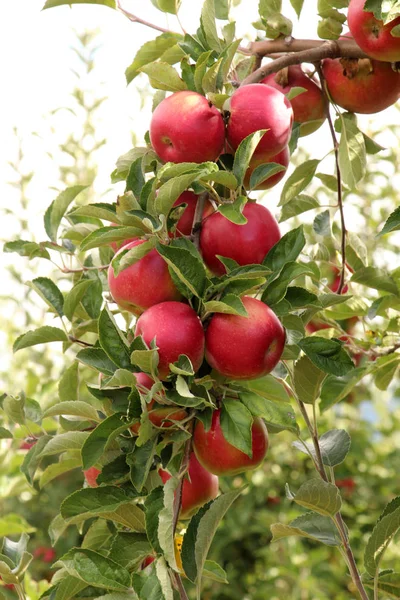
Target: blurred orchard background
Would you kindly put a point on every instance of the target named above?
(66, 116)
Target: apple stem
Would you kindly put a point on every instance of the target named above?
(339, 178)
(197, 219)
(298, 51)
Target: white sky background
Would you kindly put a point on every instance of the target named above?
(36, 50)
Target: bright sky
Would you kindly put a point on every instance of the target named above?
(36, 75)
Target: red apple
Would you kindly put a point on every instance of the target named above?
(308, 107)
(186, 127)
(147, 561)
(259, 106)
(373, 37)
(177, 330)
(335, 281)
(143, 284)
(201, 487)
(361, 85)
(281, 159)
(91, 476)
(218, 456)
(245, 347)
(314, 326)
(185, 223)
(27, 445)
(246, 244)
(45, 553)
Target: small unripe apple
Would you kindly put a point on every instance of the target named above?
(281, 159)
(245, 347)
(186, 127)
(218, 456)
(373, 37)
(185, 223)
(259, 106)
(143, 284)
(201, 487)
(309, 106)
(246, 244)
(361, 85)
(91, 476)
(177, 330)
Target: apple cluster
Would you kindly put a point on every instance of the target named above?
(186, 127)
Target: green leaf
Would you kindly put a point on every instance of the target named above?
(307, 380)
(141, 460)
(92, 300)
(62, 442)
(53, 3)
(244, 153)
(297, 206)
(154, 503)
(278, 416)
(50, 293)
(126, 258)
(14, 406)
(385, 369)
(327, 355)
(352, 154)
(384, 531)
(98, 439)
(229, 305)
(200, 533)
(42, 335)
(374, 278)
(26, 248)
(97, 210)
(392, 223)
(267, 387)
(163, 76)
(298, 180)
(128, 549)
(104, 236)
(263, 172)
(113, 341)
(286, 250)
(334, 444)
(5, 434)
(33, 458)
(13, 524)
(322, 224)
(236, 425)
(276, 290)
(107, 502)
(95, 569)
(320, 496)
(149, 52)
(54, 470)
(313, 526)
(234, 211)
(335, 389)
(215, 572)
(74, 408)
(74, 297)
(97, 359)
(297, 5)
(68, 386)
(209, 27)
(58, 207)
(68, 588)
(184, 260)
(173, 188)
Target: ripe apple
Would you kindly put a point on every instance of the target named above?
(218, 456)
(143, 284)
(335, 281)
(281, 159)
(45, 553)
(308, 107)
(186, 127)
(91, 476)
(373, 37)
(245, 347)
(185, 223)
(201, 487)
(246, 244)
(361, 85)
(259, 106)
(177, 330)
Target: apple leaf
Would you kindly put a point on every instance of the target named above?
(58, 207)
(335, 389)
(244, 153)
(376, 279)
(103, 236)
(97, 359)
(126, 258)
(384, 531)
(298, 180)
(209, 27)
(313, 526)
(263, 172)
(47, 289)
(392, 223)
(334, 445)
(352, 153)
(95, 569)
(236, 425)
(163, 76)
(286, 250)
(42, 335)
(307, 380)
(277, 415)
(98, 439)
(113, 341)
(327, 355)
(297, 206)
(234, 211)
(128, 549)
(320, 496)
(185, 261)
(54, 3)
(276, 290)
(149, 52)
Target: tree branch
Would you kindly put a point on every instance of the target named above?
(299, 51)
(136, 19)
(198, 218)
(338, 175)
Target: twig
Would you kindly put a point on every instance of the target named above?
(339, 178)
(197, 219)
(299, 51)
(83, 269)
(78, 341)
(136, 19)
(180, 586)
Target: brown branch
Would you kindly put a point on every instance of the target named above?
(136, 19)
(75, 340)
(299, 51)
(198, 218)
(338, 175)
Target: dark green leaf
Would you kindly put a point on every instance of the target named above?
(50, 293)
(97, 359)
(311, 525)
(392, 222)
(327, 355)
(334, 445)
(113, 341)
(42, 335)
(286, 250)
(298, 180)
(236, 425)
(95, 569)
(98, 440)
